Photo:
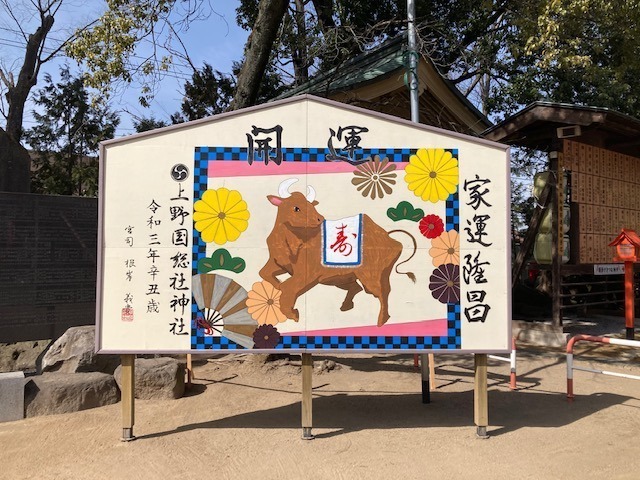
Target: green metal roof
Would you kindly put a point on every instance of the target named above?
(370, 66)
(361, 69)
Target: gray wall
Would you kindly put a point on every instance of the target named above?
(47, 265)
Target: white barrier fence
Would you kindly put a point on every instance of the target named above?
(512, 362)
(429, 378)
(590, 338)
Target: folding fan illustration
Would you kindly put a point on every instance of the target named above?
(222, 301)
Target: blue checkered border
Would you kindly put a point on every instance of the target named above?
(301, 154)
(287, 342)
(452, 213)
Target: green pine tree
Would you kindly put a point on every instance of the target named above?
(67, 136)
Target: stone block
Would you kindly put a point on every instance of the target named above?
(74, 352)
(52, 393)
(156, 378)
(540, 334)
(11, 396)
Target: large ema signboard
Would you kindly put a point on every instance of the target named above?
(303, 226)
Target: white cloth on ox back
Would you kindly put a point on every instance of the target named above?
(342, 242)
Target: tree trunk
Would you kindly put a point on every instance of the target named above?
(17, 94)
(257, 51)
(324, 10)
(15, 165)
(15, 162)
(299, 52)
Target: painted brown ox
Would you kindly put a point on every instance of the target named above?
(295, 247)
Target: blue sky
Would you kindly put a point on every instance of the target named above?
(216, 40)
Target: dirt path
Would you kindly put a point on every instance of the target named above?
(242, 420)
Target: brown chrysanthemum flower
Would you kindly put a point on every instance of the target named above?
(375, 177)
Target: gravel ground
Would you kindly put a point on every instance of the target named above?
(241, 419)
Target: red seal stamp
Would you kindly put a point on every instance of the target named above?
(127, 314)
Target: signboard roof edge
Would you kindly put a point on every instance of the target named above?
(301, 99)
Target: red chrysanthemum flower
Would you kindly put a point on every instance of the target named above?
(431, 226)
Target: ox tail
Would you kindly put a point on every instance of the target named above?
(411, 275)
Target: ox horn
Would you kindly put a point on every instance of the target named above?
(283, 190)
(311, 194)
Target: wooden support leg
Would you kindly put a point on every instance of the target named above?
(432, 371)
(189, 370)
(307, 380)
(128, 396)
(480, 397)
(424, 370)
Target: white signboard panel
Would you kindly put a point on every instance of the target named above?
(304, 225)
(609, 269)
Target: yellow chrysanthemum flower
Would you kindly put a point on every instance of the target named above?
(220, 215)
(432, 174)
(263, 304)
(445, 249)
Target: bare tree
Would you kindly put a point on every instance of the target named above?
(108, 39)
(16, 84)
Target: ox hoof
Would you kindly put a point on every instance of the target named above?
(382, 321)
(346, 306)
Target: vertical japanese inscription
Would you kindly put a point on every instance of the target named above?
(179, 302)
(154, 223)
(127, 314)
(474, 267)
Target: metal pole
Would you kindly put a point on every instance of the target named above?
(512, 358)
(432, 371)
(413, 61)
(426, 388)
(569, 375)
(629, 300)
